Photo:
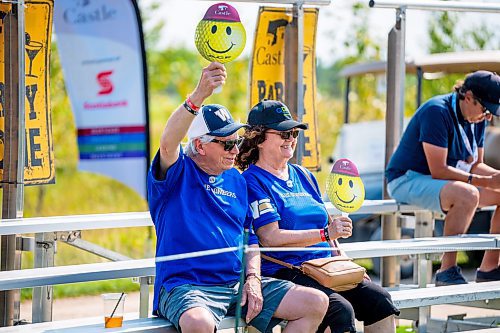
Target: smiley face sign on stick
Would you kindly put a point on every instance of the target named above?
(220, 36)
(344, 186)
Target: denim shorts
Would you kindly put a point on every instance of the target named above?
(221, 302)
(418, 189)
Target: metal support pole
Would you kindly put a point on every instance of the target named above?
(145, 282)
(45, 249)
(346, 99)
(300, 78)
(291, 73)
(97, 250)
(424, 225)
(14, 151)
(394, 127)
(420, 78)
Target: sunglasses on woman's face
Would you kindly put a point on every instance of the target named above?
(229, 144)
(286, 134)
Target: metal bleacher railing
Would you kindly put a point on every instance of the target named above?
(144, 268)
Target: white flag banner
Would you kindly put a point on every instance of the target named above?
(101, 47)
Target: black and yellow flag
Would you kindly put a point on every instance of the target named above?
(39, 162)
(267, 74)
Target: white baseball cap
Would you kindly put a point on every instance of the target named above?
(213, 119)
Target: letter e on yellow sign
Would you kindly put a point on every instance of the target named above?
(39, 162)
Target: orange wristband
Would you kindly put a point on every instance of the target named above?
(191, 104)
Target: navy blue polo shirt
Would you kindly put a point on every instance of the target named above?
(436, 123)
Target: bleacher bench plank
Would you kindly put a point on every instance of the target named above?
(403, 299)
(486, 330)
(33, 225)
(35, 277)
(415, 298)
(96, 325)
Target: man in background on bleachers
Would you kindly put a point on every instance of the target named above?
(439, 166)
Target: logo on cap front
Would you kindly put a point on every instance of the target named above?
(284, 110)
(223, 114)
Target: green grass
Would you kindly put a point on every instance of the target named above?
(405, 329)
(88, 288)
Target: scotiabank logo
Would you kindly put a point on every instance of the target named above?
(103, 78)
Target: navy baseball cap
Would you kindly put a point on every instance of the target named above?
(215, 120)
(486, 87)
(274, 115)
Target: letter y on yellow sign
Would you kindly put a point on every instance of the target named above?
(39, 163)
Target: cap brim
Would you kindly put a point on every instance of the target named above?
(227, 130)
(287, 125)
(493, 108)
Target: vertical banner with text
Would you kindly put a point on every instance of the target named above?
(39, 163)
(267, 74)
(103, 59)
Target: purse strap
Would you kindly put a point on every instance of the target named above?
(334, 242)
(279, 262)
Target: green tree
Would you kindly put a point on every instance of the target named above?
(447, 35)
(360, 45)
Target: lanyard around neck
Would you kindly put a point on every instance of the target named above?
(471, 150)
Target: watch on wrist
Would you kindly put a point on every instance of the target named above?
(255, 275)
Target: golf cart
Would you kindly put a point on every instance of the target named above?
(367, 150)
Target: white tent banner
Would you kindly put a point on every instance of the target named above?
(101, 48)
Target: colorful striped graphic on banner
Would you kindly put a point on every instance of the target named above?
(112, 142)
(106, 80)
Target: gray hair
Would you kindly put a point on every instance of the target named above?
(190, 149)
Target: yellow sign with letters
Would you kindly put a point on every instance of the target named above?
(39, 162)
(267, 74)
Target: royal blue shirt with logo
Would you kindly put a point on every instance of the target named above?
(295, 204)
(194, 211)
(436, 123)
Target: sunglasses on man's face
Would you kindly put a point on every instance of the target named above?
(229, 144)
(286, 134)
(486, 112)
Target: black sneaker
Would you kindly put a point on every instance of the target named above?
(493, 275)
(450, 276)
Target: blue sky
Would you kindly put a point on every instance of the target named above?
(335, 20)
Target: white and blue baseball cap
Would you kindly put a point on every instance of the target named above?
(215, 120)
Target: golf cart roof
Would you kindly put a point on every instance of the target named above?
(452, 62)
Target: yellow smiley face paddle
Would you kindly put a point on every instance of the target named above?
(220, 36)
(344, 186)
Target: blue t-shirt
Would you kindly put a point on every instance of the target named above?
(195, 211)
(436, 123)
(295, 204)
